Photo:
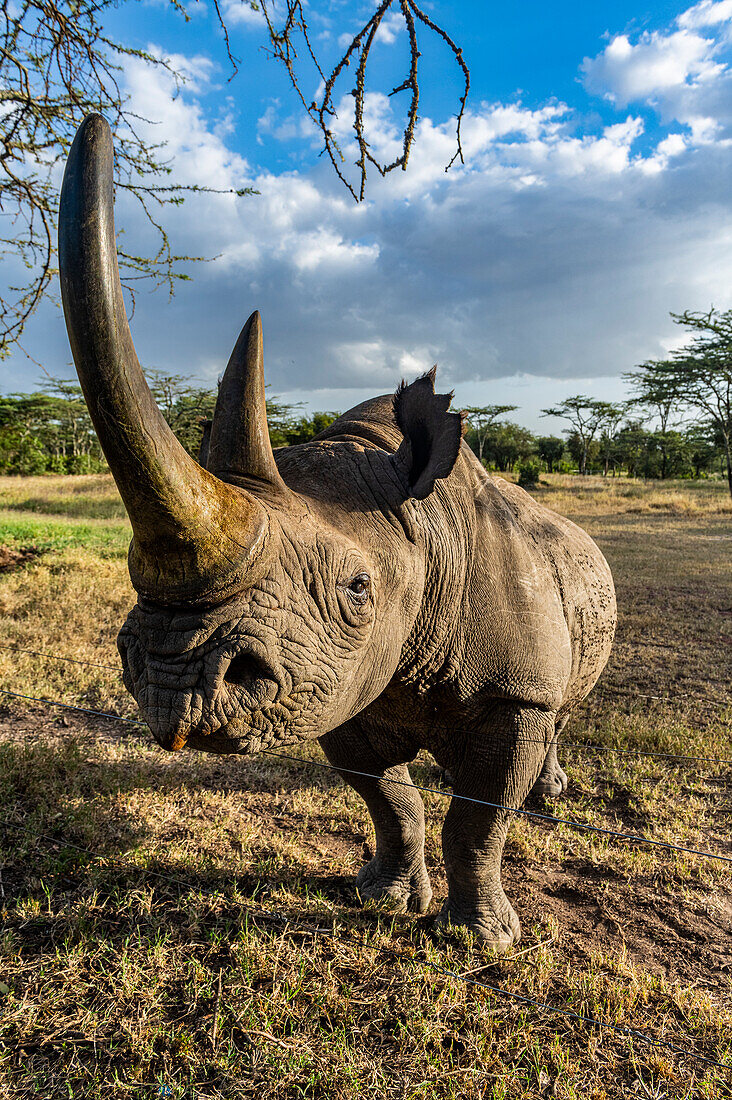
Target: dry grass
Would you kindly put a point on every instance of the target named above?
(88, 496)
(570, 495)
(110, 974)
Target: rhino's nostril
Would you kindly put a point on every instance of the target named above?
(248, 672)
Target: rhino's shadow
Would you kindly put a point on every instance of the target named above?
(78, 839)
(46, 774)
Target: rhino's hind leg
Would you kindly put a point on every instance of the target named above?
(503, 772)
(397, 874)
(553, 779)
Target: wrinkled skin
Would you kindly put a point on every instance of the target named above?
(485, 619)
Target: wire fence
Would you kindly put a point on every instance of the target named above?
(403, 957)
(702, 704)
(58, 657)
(601, 692)
(518, 741)
(616, 834)
(568, 744)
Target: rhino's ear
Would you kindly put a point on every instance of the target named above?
(431, 433)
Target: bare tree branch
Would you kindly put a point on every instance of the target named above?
(56, 66)
(323, 112)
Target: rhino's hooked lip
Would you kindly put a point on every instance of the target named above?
(208, 701)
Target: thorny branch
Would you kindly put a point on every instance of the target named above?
(323, 112)
(57, 65)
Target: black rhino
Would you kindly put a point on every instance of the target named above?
(374, 589)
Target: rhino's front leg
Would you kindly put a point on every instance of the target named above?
(397, 873)
(500, 766)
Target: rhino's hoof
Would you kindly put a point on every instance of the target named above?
(552, 783)
(398, 891)
(501, 931)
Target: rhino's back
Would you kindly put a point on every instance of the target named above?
(370, 422)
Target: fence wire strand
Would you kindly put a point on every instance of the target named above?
(525, 741)
(58, 657)
(509, 809)
(602, 691)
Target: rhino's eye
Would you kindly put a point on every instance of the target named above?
(359, 588)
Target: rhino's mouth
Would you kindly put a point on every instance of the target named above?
(235, 699)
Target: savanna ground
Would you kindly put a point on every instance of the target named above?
(185, 926)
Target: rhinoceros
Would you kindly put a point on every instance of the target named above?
(374, 589)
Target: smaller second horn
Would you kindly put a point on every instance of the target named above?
(240, 446)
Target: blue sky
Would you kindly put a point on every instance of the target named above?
(595, 198)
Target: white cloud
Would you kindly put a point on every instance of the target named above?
(671, 146)
(239, 13)
(283, 129)
(389, 29)
(683, 73)
(552, 253)
(708, 13)
(323, 248)
(627, 72)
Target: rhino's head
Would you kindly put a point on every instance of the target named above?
(270, 609)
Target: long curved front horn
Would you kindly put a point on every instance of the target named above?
(240, 447)
(194, 537)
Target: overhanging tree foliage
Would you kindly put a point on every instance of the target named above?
(323, 111)
(57, 64)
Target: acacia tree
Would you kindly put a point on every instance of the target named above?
(57, 64)
(586, 417)
(656, 389)
(508, 443)
(550, 449)
(481, 418)
(69, 418)
(702, 373)
(610, 427)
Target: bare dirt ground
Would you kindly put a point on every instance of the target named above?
(11, 559)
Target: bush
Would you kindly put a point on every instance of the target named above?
(20, 454)
(84, 464)
(529, 473)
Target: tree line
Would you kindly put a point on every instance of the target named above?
(50, 431)
(676, 423)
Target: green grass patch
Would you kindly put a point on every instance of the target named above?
(104, 538)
